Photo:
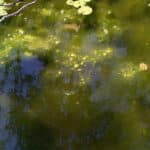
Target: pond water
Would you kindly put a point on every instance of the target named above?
(74, 82)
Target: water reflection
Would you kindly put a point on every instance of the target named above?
(93, 94)
(7, 140)
(20, 74)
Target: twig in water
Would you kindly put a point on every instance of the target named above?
(18, 11)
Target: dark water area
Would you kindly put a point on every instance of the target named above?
(76, 82)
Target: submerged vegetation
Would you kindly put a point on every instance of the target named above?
(74, 74)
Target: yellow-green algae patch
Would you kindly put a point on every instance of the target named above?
(26, 43)
(129, 70)
(76, 60)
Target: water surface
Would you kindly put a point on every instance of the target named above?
(73, 82)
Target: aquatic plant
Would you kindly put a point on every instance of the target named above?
(81, 5)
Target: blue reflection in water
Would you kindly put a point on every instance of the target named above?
(8, 141)
(119, 47)
(18, 76)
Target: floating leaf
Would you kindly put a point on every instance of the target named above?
(81, 5)
(85, 10)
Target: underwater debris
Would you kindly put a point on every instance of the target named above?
(72, 27)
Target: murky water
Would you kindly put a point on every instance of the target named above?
(74, 82)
